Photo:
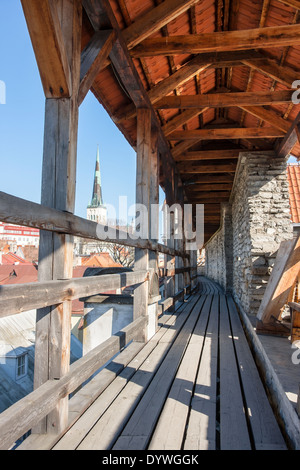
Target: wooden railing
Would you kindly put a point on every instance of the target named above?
(18, 211)
(25, 414)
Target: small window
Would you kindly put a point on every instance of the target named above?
(21, 366)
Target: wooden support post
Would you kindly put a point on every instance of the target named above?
(170, 260)
(178, 241)
(154, 235)
(52, 348)
(141, 294)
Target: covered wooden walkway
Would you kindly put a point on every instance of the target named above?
(193, 386)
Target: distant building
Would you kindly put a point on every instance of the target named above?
(19, 235)
(96, 210)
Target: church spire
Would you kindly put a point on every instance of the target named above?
(97, 199)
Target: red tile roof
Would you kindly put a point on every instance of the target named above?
(18, 274)
(100, 260)
(293, 174)
(12, 259)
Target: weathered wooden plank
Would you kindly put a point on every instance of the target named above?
(72, 439)
(232, 412)
(46, 36)
(264, 427)
(216, 100)
(201, 426)
(139, 428)
(141, 294)
(84, 398)
(104, 434)
(52, 347)
(20, 417)
(19, 298)
(170, 428)
(273, 36)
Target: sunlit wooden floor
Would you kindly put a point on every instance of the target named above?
(193, 386)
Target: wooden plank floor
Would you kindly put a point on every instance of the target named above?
(193, 386)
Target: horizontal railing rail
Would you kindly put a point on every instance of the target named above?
(19, 298)
(19, 211)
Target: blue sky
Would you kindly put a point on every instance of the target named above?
(22, 127)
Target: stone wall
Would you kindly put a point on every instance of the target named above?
(218, 252)
(260, 220)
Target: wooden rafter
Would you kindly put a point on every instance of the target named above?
(269, 67)
(93, 58)
(215, 100)
(291, 3)
(273, 36)
(213, 178)
(228, 133)
(268, 116)
(198, 169)
(285, 147)
(189, 70)
(181, 119)
(209, 155)
(154, 20)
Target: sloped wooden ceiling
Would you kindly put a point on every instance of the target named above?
(218, 75)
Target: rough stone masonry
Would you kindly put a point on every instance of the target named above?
(241, 255)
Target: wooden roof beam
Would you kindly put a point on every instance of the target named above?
(227, 133)
(195, 66)
(273, 36)
(181, 119)
(291, 3)
(198, 169)
(269, 67)
(47, 40)
(217, 100)
(268, 116)
(93, 58)
(284, 148)
(209, 155)
(154, 20)
(199, 188)
(209, 178)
